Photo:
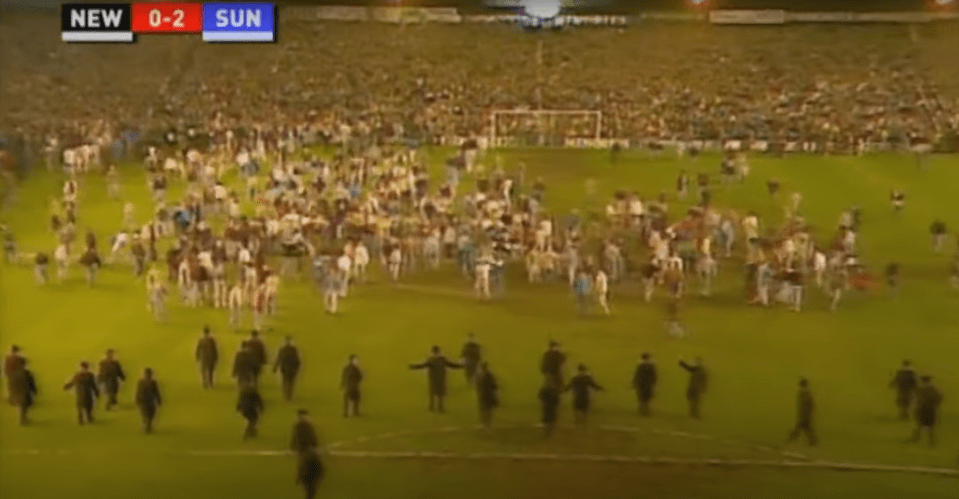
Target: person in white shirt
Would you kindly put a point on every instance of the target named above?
(533, 265)
(220, 292)
(344, 265)
(272, 288)
(819, 267)
(185, 284)
(601, 287)
(483, 267)
(259, 307)
(119, 243)
(62, 257)
(431, 249)
(153, 279)
(361, 258)
(395, 262)
(706, 266)
(129, 210)
(158, 294)
(235, 304)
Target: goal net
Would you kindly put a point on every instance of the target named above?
(543, 128)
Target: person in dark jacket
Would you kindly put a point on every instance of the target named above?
(436, 365)
(244, 366)
(582, 385)
(487, 391)
(207, 355)
(905, 384)
(551, 365)
(644, 382)
(258, 352)
(697, 384)
(250, 406)
(928, 399)
(549, 398)
(472, 355)
(805, 407)
(85, 388)
(109, 375)
(288, 364)
(350, 383)
(23, 391)
(13, 362)
(148, 399)
(310, 473)
(304, 437)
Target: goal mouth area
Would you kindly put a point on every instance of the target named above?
(543, 127)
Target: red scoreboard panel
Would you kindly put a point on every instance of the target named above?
(167, 18)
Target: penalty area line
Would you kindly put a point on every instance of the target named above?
(600, 458)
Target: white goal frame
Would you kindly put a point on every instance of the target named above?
(494, 136)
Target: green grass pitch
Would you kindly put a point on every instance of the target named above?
(755, 357)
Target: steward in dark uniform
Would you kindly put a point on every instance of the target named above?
(207, 355)
(552, 363)
(549, 397)
(148, 399)
(805, 407)
(928, 399)
(250, 406)
(310, 473)
(288, 364)
(697, 384)
(258, 351)
(304, 438)
(582, 386)
(244, 367)
(905, 384)
(23, 391)
(487, 392)
(85, 386)
(472, 355)
(109, 376)
(644, 382)
(350, 383)
(435, 366)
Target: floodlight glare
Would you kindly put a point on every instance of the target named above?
(542, 9)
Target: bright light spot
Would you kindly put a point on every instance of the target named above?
(943, 2)
(697, 2)
(542, 9)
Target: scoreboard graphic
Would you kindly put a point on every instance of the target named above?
(217, 22)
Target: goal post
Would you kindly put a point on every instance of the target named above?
(543, 127)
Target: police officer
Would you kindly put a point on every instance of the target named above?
(552, 363)
(288, 364)
(350, 383)
(207, 355)
(905, 384)
(487, 392)
(582, 385)
(549, 398)
(304, 437)
(436, 365)
(109, 375)
(644, 382)
(250, 406)
(148, 399)
(471, 355)
(928, 399)
(258, 352)
(23, 390)
(85, 388)
(310, 473)
(244, 367)
(697, 384)
(804, 418)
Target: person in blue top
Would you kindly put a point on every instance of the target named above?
(581, 288)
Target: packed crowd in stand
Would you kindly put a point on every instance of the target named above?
(651, 81)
